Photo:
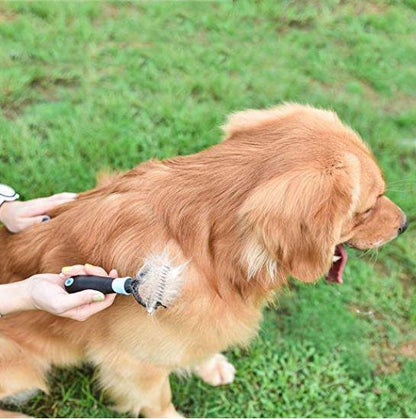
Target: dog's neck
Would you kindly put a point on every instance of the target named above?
(200, 205)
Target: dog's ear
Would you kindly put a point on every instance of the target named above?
(298, 217)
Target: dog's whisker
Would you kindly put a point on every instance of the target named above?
(402, 189)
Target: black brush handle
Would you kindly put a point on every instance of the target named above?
(78, 283)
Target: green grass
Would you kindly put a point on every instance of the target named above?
(85, 86)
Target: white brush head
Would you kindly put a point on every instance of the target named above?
(159, 281)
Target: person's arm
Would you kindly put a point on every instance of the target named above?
(46, 292)
(18, 215)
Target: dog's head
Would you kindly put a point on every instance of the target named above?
(319, 188)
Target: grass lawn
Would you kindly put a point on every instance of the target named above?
(90, 85)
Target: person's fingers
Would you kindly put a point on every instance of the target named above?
(65, 302)
(94, 270)
(41, 206)
(86, 269)
(64, 196)
(25, 222)
(50, 277)
(84, 312)
(73, 270)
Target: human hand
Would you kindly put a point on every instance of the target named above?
(47, 293)
(18, 215)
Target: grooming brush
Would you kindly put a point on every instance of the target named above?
(157, 284)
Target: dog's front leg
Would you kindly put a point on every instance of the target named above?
(216, 370)
(138, 387)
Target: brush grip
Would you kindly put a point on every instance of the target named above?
(89, 282)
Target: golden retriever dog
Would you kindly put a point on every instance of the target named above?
(280, 196)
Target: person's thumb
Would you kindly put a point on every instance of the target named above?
(70, 301)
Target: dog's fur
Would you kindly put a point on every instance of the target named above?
(272, 200)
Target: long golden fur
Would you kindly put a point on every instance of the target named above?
(273, 199)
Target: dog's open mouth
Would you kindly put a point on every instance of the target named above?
(339, 261)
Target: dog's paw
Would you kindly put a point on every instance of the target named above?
(8, 414)
(168, 412)
(216, 371)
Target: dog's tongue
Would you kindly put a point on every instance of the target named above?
(337, 268)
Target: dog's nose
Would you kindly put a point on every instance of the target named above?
(404, 226)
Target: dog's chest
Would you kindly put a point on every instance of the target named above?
(184, 337)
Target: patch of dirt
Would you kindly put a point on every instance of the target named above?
(117, 10)
(45, 82)
(405, 276)
(126, 45)
(295, 23)
(14, 109)
(369, 92)
(110, 10)
(402, 102)
(386, 355)
(381, 269)
(100, 48)
(46, 89)
(407, 280)
(6, 16)
(389, 356)
(408, 349)
(367, 7)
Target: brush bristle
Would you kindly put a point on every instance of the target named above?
(159, 281)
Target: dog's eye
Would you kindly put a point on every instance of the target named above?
(367, 212)
(361, 217)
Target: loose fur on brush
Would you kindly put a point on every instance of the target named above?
(273, 199)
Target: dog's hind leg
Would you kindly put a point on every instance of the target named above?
(137, 387)
(20, 375)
